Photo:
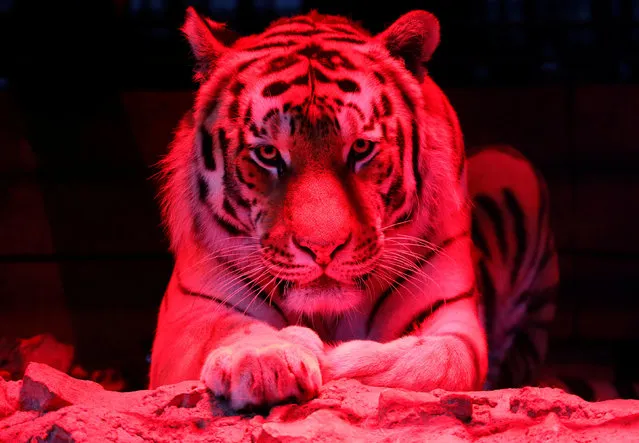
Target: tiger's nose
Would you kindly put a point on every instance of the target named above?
(322, 252)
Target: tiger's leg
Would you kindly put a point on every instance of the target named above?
(250, 362)
(515, 260)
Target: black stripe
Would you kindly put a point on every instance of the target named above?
(279, 64)
(407, 100)
(226, 304)
(229, 228)
(346, 30)
(399, 84)
(252, 286)
(403, 218)
(271, 46)
(240, 177)
(276, 88)
(327, 60)
(254, 129)
(245, 65)
(301, 79)
(223, 140)
(354, 41)
(520, 231)
(348, 85)
(248, 115)
(478, 236)
(393, 190)
(242, 202)
(376, 114)
(488, 295)
(202, 189)
(408, 273)
(357, 109)
(380, 77)
(416, 149)
(237, 89)
(207, 149)
(234, 110)
(320, 76)
(491, 208)
(386, 105)
(271, 112)
(228, 207)
(310, 51)
(295, 33)
(420, 318)
(259, 293)
(400, 140)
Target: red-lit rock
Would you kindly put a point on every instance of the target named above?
(9, 394)
(51, 406)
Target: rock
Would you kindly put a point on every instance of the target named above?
(50, 406)
(9, 394)
(45, 389)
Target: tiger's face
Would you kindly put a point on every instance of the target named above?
(306, 142)
(318, 157)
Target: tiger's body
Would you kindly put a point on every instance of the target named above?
(326, 223)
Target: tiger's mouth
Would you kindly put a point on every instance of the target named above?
(323, 295)
(323, 282)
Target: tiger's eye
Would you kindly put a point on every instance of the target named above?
(267, 152)
(361, 146)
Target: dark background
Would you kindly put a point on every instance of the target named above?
(91, 91)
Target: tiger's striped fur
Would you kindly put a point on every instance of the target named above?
(515, 261)
(316, 199)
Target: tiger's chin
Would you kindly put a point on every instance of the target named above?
(322, 296)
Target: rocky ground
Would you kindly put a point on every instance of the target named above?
(49, 405)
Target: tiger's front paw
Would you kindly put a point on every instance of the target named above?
(250, 375)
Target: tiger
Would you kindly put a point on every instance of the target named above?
(326, 222)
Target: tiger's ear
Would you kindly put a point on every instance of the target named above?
(208, 40)
(412, 38)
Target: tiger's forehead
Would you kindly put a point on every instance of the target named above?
(305, 77)
(316, 26)
(314, 71)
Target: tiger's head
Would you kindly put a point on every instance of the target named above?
(307, 145)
